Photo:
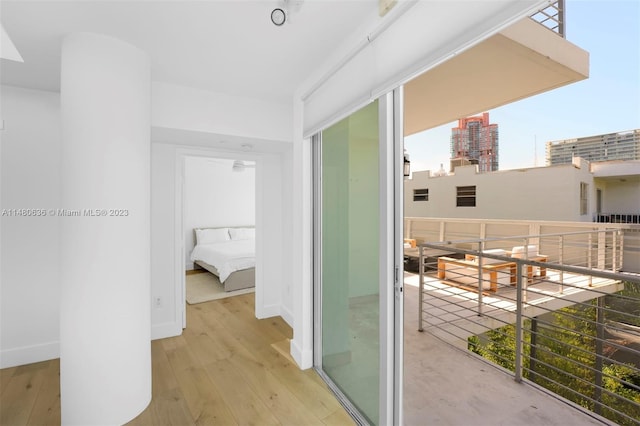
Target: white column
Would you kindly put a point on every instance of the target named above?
(105, 351)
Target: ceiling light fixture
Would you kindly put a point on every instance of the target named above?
(278, 16)
(283, 12)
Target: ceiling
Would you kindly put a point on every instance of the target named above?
(223, 46)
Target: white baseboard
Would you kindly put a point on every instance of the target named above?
(267, 311)
(304, 358)
(164, 330)
(287, 315)
(29, 354)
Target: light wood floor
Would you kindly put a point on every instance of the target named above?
(223, 370)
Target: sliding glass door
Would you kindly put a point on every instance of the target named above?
(355, 260)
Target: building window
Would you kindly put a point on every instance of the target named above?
(584, 198)
(421, 194)
(465, 196)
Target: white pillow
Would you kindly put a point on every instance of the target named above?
(207, 236)
(242, 233)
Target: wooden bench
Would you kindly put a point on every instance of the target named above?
(536, 258)
(492, 270)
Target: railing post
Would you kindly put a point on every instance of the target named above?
(480, 283)
(519, 307)
(602, 247)
(589, 260)
(421, 287)
(621, 245)
(614, 258)
(560, 261)
(597, 394)
(533, 351)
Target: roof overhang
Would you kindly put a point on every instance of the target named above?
(617, 171)
(521, 61)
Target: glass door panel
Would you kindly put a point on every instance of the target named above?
(350, 258)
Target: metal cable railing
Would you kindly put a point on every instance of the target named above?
(552, 17)
(565, 319)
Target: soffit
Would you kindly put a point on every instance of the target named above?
(522, 61)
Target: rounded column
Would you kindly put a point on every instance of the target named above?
(105, 351)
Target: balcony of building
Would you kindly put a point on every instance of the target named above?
(529, 57)
(556, 311)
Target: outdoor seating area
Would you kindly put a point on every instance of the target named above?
(495, 271)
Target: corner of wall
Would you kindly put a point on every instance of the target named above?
(164, 330)
(303, 358)
(287, 315)
(29, 354)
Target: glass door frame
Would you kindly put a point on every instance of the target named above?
(391, 272)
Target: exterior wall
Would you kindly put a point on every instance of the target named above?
(620, 197)
(544, 193)
(612, 146)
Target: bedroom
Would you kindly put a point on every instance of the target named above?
(219, 221)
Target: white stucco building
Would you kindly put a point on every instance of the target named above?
(569, 192)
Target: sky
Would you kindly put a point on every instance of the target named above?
(607, 102)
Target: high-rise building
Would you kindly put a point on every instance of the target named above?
(475, 141)
(610, 146)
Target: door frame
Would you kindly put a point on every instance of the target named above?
(181, 153)
(391, 266)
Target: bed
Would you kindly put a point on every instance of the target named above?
(228, 253)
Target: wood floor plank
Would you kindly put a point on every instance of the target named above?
(5, 377)
(250, 338)
(181, 358)
(205, 403)
(162, 377)
(21, 393)
(221, 371)
(246, 406)
(206, 343)
(143, 419)
(275, 394)
(338, 418)
(317, 398)
(46, 408)
(275, 328)
(170, 408)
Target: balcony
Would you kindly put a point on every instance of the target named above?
(529, 57)
(565, 321)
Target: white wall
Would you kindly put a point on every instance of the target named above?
(621, 197)
(216, 196)
(167, 262)
(30, 273)
(29, 267)
(179, 107)
(287, 234)
(543, 193)
(187, 109)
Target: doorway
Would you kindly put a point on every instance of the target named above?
(357, 290)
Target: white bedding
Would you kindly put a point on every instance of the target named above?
(227, 256)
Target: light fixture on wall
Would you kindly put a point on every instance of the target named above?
(407, 165)
(240, 166)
